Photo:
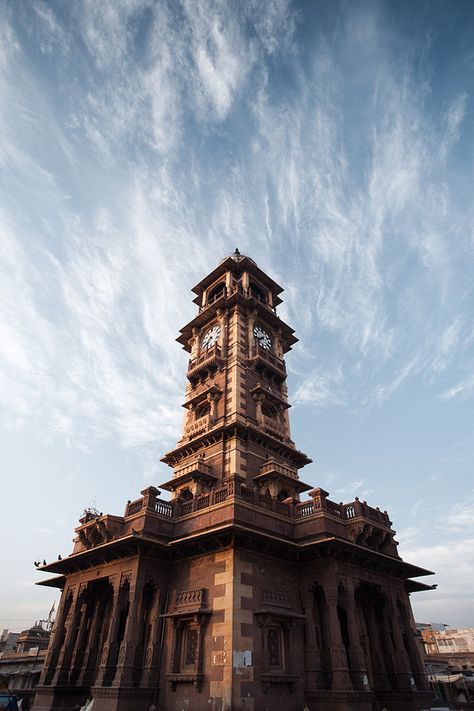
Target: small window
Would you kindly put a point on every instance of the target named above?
(216, 292)
(202, 410)
(275, 647)
(258, 293)
(190, 643)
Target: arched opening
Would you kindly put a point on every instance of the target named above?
(202, 410)
(258, 293)
(216, 292)
(186, 494)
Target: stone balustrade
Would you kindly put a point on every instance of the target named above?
(212, 352)
(272, 466)
(273, 426)
(198, 426)
(198, 465)
(268, 356)
(299, 510)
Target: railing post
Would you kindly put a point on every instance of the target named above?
(319, 498)
(149, 497)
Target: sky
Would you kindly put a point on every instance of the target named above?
(140, 142)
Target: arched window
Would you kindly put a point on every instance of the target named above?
(258, 293)
(186, 494)
(201, 410)
(216, 292)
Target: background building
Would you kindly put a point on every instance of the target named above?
(21, 663)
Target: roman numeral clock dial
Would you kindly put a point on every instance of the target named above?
(211, 337)
(262, 337)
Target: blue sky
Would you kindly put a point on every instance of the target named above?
(331, 141)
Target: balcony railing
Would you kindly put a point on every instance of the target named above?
(268, 356)
(198, 466)
(164, 508)
(212, 352)
(318, 506)
(272, 466)
(273, 426)
(198, 426)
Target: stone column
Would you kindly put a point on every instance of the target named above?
(194, 342)
(149, 676)
(388, 642)
(341, 679)
(357, 658)
(312, 653)
(124, 673)
(364, 641)
(378, 666)
(77, 656)
(85, 677)
(402, 664)
(61, 675)
(419, 675)
(109, 650)
(222, 317)
(57, 640)
(251, 321)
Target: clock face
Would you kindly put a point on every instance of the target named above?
(262, 337)
(211, 337)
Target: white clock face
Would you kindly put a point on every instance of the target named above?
(262, 337)
(211, 337)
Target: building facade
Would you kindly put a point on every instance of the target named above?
(21, 666)
(235, 593)
(448, 641)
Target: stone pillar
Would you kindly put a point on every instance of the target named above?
(57, 639)
(88, 664)
(61, 675)
(402, 664)
(222, 318)
(109, 650)
(364, 640)
(378, 666)
(357, 658)
(388, 642)
(149, 497)
(420, 679)
(77, 656)
(251, 322)
(341, 680)
(124, 673)
(312, 653)
(194, 341)
(152, 653)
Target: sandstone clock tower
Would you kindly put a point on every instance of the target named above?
(234, 593)
(236, 422)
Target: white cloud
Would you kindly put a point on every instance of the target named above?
(454, 118)
(463, 389)
(321, 389)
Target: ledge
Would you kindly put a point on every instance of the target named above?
(271, 679)
(175, 679)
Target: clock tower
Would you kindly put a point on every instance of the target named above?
(244, 589)
(236, 407)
